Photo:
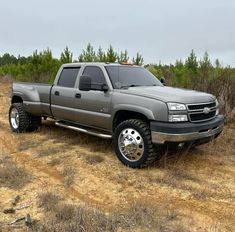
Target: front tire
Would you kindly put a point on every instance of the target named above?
(21, 121)
(133, 145)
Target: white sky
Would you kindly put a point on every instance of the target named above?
(160, 30)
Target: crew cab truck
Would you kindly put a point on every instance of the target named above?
(125, 103)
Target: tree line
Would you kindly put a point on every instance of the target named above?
(42, 66)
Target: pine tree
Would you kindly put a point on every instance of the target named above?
(88, 55)
(179, 63)
(66, 56)
(217, 64)
(123, 57)
(138, 59)
(111, 55)
(21, 59)
(100, 56)
(191, 62)
(205, 68)
(8, 59)
(205, 63)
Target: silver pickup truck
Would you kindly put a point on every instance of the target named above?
(123, 102)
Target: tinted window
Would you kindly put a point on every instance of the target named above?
(125, 76)
(68, 77)
(97, 76)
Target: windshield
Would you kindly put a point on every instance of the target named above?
(129, 76)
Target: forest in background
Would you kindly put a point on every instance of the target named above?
(193, 72)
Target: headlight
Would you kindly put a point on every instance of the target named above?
(217, 107)
(176, 106)
(178, 118)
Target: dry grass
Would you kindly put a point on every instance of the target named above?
(94, 159)
(12, 176)
(48, 201)
(47, 151)
(25, 145)
(68, 173)
(214, 191)
(54, 162)
(63, 217)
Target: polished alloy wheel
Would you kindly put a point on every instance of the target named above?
(131, 144)
(14, 118)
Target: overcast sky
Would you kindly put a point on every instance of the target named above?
(163, 30)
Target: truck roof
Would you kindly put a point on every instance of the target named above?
(98, 64)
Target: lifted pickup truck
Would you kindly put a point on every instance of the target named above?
(123, 102)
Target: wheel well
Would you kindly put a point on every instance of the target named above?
(123, 115)
(16, 99)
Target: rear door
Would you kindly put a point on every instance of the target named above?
(63, 95)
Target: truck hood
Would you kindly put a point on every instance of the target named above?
(170, 94)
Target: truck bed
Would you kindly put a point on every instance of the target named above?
(36, 97)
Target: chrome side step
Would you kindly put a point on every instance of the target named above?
(105, 136)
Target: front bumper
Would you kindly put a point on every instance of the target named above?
(185, 131)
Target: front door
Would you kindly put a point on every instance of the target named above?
(93, 107)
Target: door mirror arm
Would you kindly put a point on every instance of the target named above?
(163, 80)
(104, 87)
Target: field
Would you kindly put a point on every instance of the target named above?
(74, 182)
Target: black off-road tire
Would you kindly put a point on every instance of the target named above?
(149, 154)
(27, 122)
(35, 123)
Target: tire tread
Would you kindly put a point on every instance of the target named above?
(27, 122)
(150, 149)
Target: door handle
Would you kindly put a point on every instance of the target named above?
(57, 93)
(78, 95)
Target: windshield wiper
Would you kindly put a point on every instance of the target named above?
(128, 86)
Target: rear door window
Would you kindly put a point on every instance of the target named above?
(68, 77)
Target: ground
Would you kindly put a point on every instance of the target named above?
(187, 191)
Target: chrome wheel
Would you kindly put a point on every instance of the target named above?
(14, 118)
(131, 144)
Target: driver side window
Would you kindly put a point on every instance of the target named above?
(96, 75)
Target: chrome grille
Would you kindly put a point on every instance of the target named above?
(201, 106)
(201, 111)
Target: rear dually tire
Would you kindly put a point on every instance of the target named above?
(21, 121)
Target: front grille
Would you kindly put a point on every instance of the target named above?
(201, 106)
(202, 116)
(198, 113)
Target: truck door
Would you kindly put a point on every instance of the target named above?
(63, 95)
(93, 107)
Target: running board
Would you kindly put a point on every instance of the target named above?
(86, 131)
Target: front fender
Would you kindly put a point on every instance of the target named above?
(134, 108)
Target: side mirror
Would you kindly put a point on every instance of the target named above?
(105, 87)
(85, 83)
(163, 80)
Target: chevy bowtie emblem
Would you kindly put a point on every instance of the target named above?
(206, 110)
